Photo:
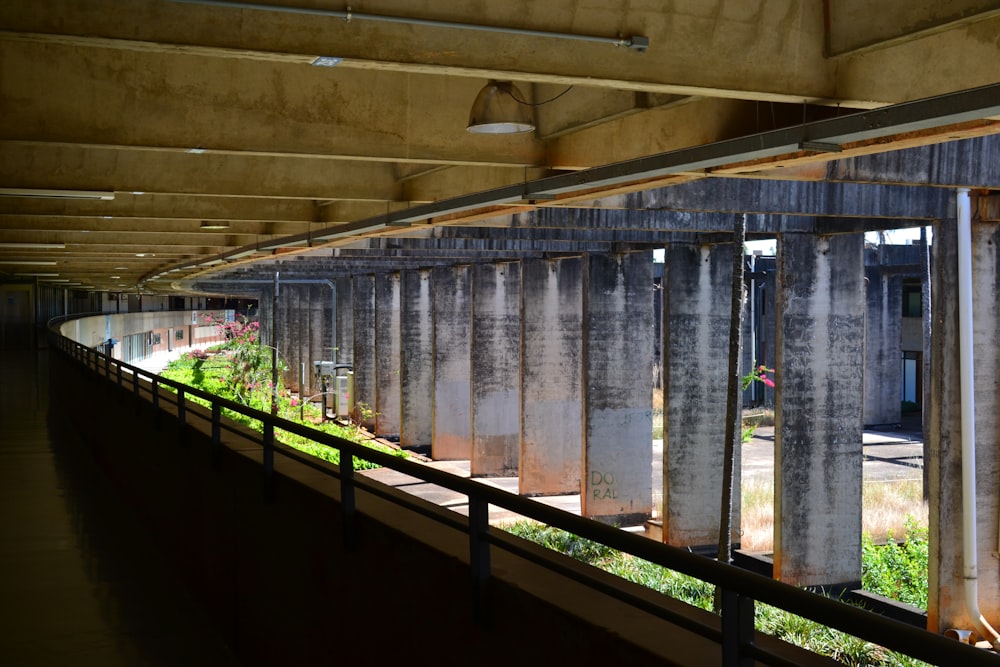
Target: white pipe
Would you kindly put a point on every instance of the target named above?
(967, 390)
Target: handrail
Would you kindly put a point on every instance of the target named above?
(741, 589)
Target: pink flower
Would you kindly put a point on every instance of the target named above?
(766, 380)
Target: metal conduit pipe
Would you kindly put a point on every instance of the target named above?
(968, 410)
(636, 42)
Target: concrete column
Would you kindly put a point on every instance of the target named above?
(416, 359)
(818, 446)
(496, 348)
(882, 373)
(697, 301)
(344, 304)
(363, 292)
(945, 604)
(388, 363)
(551, 376)
(452, 394)
(290, 322)
(618, 388)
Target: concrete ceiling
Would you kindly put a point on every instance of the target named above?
(218, 139)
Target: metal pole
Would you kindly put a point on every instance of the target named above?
(274, 347)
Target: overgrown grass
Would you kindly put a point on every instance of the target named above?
(214, 374)
(794, 629)
(886, 507)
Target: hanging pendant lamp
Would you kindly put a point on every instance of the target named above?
(498, 111)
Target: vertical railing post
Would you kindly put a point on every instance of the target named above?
(181, 417)
(347, 502)
(268, 461)
(737, 629)
(479, 558)
(135, 391)
(157, 417)
(216, 435)
(118, 381)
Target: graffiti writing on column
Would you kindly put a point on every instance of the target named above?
(603, 485)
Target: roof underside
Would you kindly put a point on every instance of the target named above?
(212, 137)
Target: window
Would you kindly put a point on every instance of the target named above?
(912, 306)
(179, 334)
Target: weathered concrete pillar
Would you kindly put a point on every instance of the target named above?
(388, 345)
(452, 395)
(363, 292)
(292, 323)
(319, 346)
(697, 302)
(551, 376)
(344, 343)
(618, 381)
(496, 348)
(818, 446)
(945, 604)
(416, 359)
(882, 375)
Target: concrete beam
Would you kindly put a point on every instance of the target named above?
(363, 293)
(818, 446)
(452, 395)
(388, 351)
(496, 367)
(551, 408)
(946, 598)
(416, 358)
(697, 302)
(618, 381)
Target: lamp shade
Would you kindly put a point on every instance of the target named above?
(497, 110)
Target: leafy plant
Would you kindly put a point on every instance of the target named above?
(897, 570)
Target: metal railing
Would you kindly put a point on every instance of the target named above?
(741, 590)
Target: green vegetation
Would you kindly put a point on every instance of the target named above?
(781, 624)
(240, 370)
(898, 570)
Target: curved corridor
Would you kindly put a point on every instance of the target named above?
(80, 579)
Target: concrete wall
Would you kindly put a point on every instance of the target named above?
(496, 367)
(946, 606)
(416, 359)
(618, 381)
(883, 321)
(283, 590)
(388, 360)
(818, 435)
(696, 320)
(551, 376)
(93, 331)
(452, 395)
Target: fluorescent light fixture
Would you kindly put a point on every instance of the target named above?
(214, 224)
(114, 277)
(57, 280)
(145, 254)
(38, 246)
(212, 262)
(39, 275)
(326, 61)
(56, 194)
(26, 262)
(196, 151)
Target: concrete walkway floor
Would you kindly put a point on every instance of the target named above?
(81, 582)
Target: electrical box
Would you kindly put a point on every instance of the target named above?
(343, 387)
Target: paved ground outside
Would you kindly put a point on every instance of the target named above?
(889, 454)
